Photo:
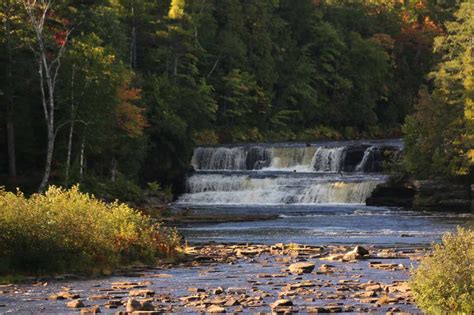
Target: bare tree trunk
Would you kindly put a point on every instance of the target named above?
(37, 11)
(71, 127)
(49, 160)
(81, 159)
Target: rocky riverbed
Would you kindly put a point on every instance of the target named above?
(238, 278)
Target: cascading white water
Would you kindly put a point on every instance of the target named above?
(244, 189)
(219, 158)
(368, 155)
(287, 173)
(328, 159)
(289, 158)
(305, 159)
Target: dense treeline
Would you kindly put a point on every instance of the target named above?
(114, 92)
(439, 135)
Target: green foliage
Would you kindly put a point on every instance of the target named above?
(141, 82)
(122, 189)
(444, 282)
(439, 134)
(66, 230)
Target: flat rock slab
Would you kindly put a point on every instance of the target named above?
(302, 267)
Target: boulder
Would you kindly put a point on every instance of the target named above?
(133, 305)
(302, 267)
(75, 304)
(357, 253)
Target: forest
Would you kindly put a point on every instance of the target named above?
(115, 94)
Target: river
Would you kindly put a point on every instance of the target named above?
(318, 190)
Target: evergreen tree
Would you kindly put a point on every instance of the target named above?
(439, 134)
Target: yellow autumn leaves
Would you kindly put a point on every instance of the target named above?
(66, 230)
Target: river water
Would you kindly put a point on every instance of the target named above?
(318, 191)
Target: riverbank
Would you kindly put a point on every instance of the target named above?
(239, 278)
(424, 195)
(190, 217)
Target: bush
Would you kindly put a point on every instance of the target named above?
(66, 230)
(444, 282)
(121, 189)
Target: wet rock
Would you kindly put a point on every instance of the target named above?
(232, 302)
(191, 298)
(247, 252)
(369, 300)
(133, 305)
(302, 267)
(367, 294)
(126, 285)
(75, 304)
(304, 284)
(147, 305)
(98, 297)
(64, 295)
(326, 268)
(357, 253)
(324, 310)
(217, 291)
(113, 304)
(142, 292)
(389, 267)
(371, 286)
(284, 259)
(385, 299)
(281, 302)
(333, 257)
(91, 310)
(219, 301)
(402, 287)
(236, 290)
(215, 309)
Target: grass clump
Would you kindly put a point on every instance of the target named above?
(69, 231)
(444, 282)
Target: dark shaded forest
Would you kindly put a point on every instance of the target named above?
(115, 94)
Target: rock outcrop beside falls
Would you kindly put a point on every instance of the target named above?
(424, 195)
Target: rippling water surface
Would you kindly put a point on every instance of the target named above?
(328, 224)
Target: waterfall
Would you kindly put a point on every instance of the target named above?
(286, 173)
(328, 159)
(245, 189)
(230, 159)
(366, 159)
(288, 158)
